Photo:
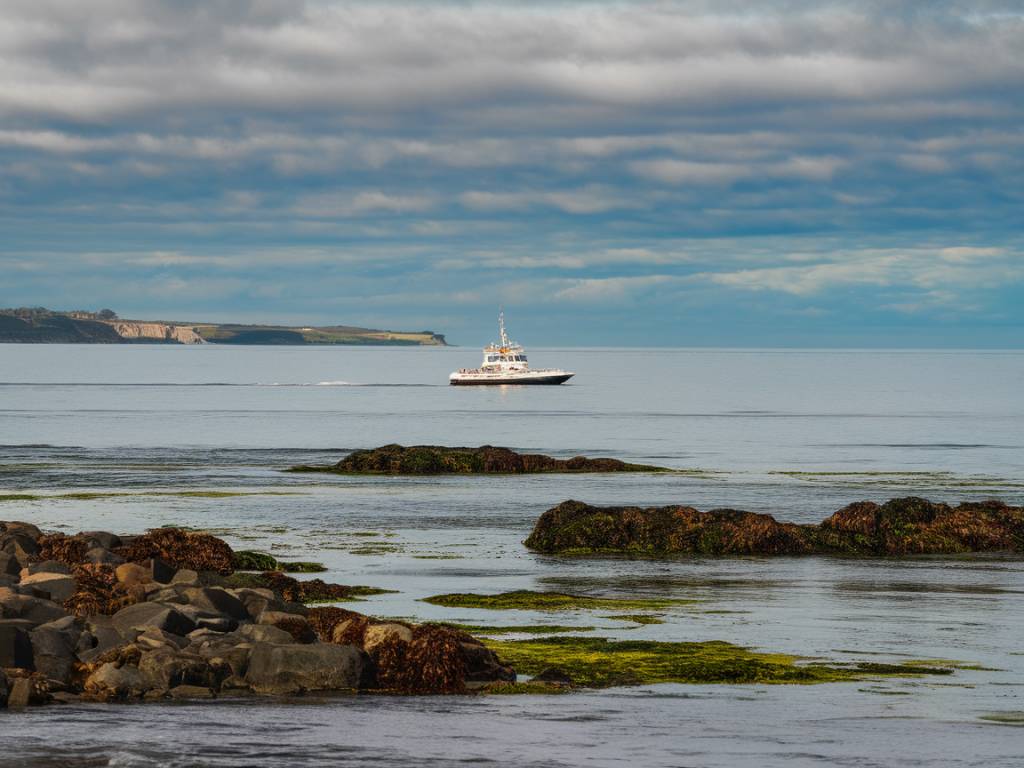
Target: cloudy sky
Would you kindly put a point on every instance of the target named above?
(663, 173)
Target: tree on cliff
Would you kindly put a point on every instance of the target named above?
(107, 314)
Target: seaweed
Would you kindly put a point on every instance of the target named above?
(602, 663)
(181, 548)
(526, 600)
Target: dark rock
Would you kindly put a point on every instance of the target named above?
(900, 527)
(9, 565)
(28, 529)
(103, 556)
(289, 669)
(19, 543)
(482, 666)
(34, 609)
(487, 459)
(58, 586)
(15, 644)
(114, 680)
(158, 615)
(216, 601)
(159, 571)
(102, 539)
(166, 668)
(54, 647)
(217, 623)
(21, 693)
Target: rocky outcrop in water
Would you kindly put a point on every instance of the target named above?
(96, 616)
(441, 460)
(906, 526)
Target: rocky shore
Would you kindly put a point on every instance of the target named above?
(905, 526)
(441, 460)
(165, 615)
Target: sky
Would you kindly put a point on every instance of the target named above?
(754, 174)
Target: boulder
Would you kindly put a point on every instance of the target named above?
(264, 633)
(376, 634)
(153, 638)
(34, 609)
(115, 680)
(9, 565)
(100, 636)
(103, 556)
(15, 643)
(102, 539)
(132, 573)
(60, 586)
(158, 615)
(20, 527)
(186, 578)
(159, 571)
(166, 668)
(216, 601)
(21, 693)
(54, 647)
(5, 689)
(288, 669)
(20, 544)
(46, 566)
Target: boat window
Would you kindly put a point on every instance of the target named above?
(491, 358)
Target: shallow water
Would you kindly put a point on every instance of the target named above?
(795, 433)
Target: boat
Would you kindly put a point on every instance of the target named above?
(505, 363)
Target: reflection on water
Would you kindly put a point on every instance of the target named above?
(873, 425)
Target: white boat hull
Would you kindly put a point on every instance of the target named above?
(483, 378)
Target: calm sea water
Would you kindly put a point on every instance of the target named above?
(145, 432)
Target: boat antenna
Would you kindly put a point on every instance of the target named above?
(501, 327)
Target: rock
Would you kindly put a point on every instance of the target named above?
(487, 459)
(102, 556)
(5, 689)
(258, 600)
(20, 544)
(482, 666)
(179, 548)
(288, 669)
(132, 573)
(905, 526)
(166, 668)
(186, 578)
(158, 615)
(34, 609)
(217, 623)
(159, 571)
(102, 539)
(264, 633)
(100, 636)
(65, 697)
(9, 565)
(20, 695)
(54, 647)
(376, 634)
(113, 681)
(16, 644)
(60, 586)
(46, 566)
(216, 601)
(153, 638)
(28, 529)
(191, 692)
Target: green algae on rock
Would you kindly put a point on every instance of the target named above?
(602, 663)
(441, 460)
(899, 527)
(517, 629)
(527, 600)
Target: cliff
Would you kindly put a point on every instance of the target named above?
(43, 326)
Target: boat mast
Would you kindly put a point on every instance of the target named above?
(501, 328)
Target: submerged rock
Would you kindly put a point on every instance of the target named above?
(487, 459)
(899, 527)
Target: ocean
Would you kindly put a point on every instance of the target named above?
(125, 438)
